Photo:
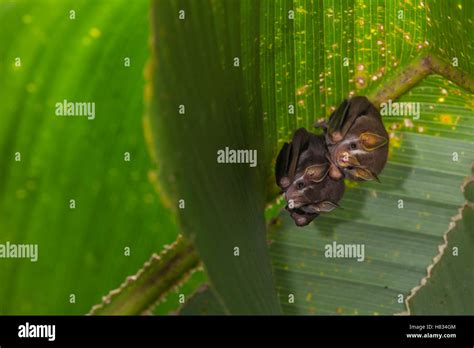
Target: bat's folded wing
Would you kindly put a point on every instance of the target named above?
(342, 120)
(281, 167)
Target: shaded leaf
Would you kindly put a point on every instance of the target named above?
(448, 288)
(140, 292)
(224, 202)
(203, 302)
(81, 251)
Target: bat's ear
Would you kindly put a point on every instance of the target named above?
(316, 172)
(365, 174)
(371, 141)
(325, 206)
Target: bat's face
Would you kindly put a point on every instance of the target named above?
(309, 186)
(357, 141)
(306, 198)
(359, 156)
(302, 172)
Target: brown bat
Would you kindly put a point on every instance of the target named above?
(301, 170)
(357, 140)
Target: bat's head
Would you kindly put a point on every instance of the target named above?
(357, 140)
(313, 191)
(302, 172)
(306, 184)
(307, 200)
(359, 156)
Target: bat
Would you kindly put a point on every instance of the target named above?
(357, 140)
(301, 172)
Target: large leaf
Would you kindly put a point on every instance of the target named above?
(141, 292)
(193, 65)
(304, 66)
(81, 251)
(203, 302)
(449, 284)
(301, 63)
(313, 55)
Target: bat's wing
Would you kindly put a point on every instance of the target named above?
(287, 160)
(358, 106)
(282, 165)
(342, 120)
(336, 120)
(320, 207)
(298, 145)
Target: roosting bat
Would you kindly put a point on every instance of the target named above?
(357, 140)
(301, 172)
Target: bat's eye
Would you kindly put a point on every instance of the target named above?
(300, 185)
(353, 146)
(350, 167)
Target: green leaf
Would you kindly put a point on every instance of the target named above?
(81, 251)
(224, 203)
(203, 302)
(449, 284)
(303, 65)
(173, 300)
(399, 243)
(142, 291)
(284, 62)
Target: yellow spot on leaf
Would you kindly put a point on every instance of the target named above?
(95, 33)
(446, 119)
(301, 90)
(351, 184)
(301, 10)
